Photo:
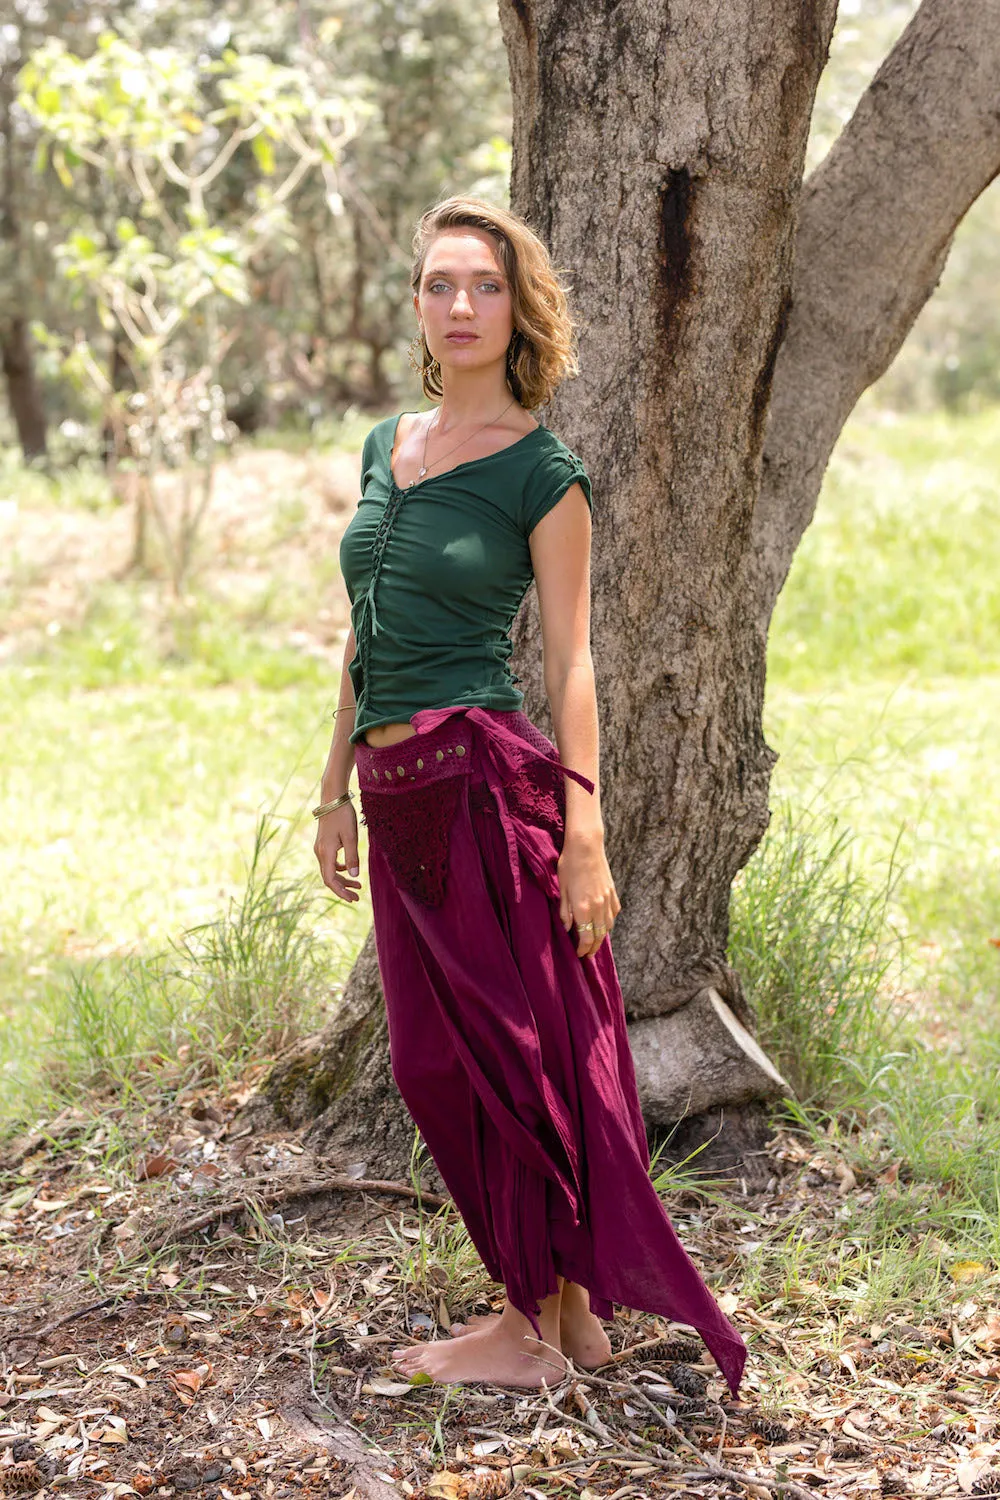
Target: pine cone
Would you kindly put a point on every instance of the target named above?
(771, 1432)
(686, 1380)
(683, 1351)
(24, 1451)
(683, 1405)
(486, 1486)
(891, 1367)
(24, 1478)
(848, 1448)
(988, 1483)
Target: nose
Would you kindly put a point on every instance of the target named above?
(461, 305)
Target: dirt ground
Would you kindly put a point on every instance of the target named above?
(273, 525)
(190, 1308)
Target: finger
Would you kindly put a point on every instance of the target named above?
(340, 872)
(351, 855)
(339, 887)
(565, 911)
(603, 923)
(337, 880)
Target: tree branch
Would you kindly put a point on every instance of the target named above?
(875, 226)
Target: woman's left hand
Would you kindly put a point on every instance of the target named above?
(587, 894)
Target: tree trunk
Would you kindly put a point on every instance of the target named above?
(23, 393)
(660, 157)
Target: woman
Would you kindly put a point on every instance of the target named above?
(492, 897)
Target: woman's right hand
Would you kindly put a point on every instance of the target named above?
(336, 834)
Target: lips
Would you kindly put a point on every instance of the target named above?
(461, 338)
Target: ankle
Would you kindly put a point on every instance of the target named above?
(575, 1300)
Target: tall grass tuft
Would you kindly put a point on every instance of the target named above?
(812, 938)
(226, 992)
(114, 1024)
(259, 968)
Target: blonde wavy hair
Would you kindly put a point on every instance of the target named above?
(542, 351)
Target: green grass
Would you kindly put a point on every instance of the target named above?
(811, 936)
(867, 923)
(897, 575)
(132, 814)
(201, 644)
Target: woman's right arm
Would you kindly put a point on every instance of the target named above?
(337, 831)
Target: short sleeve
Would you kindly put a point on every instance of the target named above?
(367, 457)
(548, 481)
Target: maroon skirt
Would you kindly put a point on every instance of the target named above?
(511, 1053)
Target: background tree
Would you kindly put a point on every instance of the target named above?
(144, 122)
(661, 156)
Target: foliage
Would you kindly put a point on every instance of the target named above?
(162, 129)
(897, 573)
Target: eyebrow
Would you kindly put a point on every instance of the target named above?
(481, 271)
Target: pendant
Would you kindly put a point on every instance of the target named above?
(421, 473)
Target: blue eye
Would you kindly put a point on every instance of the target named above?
(493, 286)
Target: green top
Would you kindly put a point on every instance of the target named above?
(436, 574)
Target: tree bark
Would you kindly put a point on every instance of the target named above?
(661, 158)
(659, 154)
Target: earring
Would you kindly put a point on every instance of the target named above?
(414, 351)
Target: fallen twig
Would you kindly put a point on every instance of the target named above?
(71, 1317)
(710, 1466)
(776, 1486)
(718, 1471)
(670, 1464)
(266, 1197)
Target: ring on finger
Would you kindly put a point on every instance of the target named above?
(585, 926)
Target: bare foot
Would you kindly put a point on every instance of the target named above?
(499, 1353)
(581, 1333)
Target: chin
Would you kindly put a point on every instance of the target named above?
(471, 353)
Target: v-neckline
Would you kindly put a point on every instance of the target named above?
(466, 464)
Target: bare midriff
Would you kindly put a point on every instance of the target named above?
(387, 734)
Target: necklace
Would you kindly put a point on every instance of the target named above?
(422, 471)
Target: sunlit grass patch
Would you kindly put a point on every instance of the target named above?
(898, 571)
(221, 994)
(121, 639)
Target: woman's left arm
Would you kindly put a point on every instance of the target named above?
(560, 555)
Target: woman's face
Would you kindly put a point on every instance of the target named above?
(463, 302)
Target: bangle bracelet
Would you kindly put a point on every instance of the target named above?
(326, 807)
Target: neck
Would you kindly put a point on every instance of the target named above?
(472, 397)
